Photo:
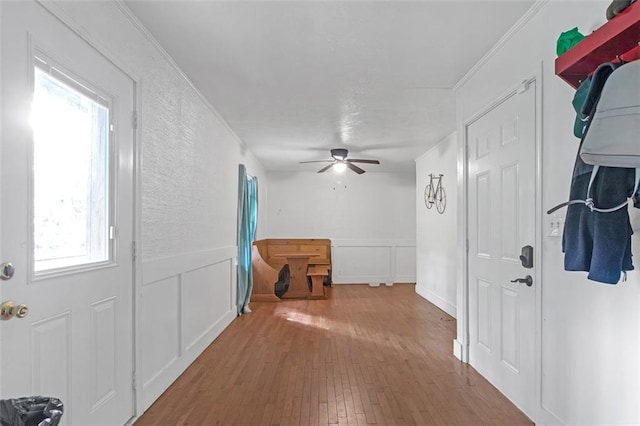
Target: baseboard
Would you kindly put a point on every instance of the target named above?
(371, 280)
(546, 417)
(441, 303)
(458, 350)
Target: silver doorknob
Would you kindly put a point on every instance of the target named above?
(9, 309)
(6, 271)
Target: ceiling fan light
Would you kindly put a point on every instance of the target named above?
(339, 153)
(340, 167)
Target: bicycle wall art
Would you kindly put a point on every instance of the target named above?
(434, 193)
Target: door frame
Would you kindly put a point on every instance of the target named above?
(461, 344)
(58, 10)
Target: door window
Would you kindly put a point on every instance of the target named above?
(71, 185)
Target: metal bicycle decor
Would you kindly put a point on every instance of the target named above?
(434, 193)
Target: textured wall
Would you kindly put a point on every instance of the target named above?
(436, 234)
(190, 157)
(190, 169)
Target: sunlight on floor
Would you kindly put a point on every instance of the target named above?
(306, 319)
(380, 337)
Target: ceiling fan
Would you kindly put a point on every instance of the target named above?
(340, 161)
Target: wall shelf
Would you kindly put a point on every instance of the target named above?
(618, 38)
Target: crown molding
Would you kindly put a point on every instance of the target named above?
(520, 23)
(145, 32)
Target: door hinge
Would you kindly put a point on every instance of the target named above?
(133, 381)
(112, 232)
(133, 250)
(524, 86)
(134, 120)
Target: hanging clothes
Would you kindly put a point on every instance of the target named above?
(594, 241)
(247, 223)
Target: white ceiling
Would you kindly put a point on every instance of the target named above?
(296, 78)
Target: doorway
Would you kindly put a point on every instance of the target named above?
(502, 199)
(67, 219)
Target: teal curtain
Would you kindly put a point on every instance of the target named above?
(247, 224)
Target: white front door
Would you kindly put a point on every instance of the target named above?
(501, 212)
(66, 219)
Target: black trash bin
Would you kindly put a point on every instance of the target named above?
(30, 411)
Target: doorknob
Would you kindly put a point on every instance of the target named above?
(9, 309)
(526, 280)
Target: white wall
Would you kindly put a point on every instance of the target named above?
(436, 234)
(370, 222)
(590, 331)
(189, 200)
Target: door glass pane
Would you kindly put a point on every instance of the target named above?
(71, 173)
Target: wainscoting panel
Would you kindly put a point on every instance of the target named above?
(405, 264)
(160, 319)
(187, 301)
(205, 293)
(373, 261)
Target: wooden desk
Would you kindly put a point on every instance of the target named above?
(298, 262)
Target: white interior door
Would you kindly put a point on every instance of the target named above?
(501, 212)
(66, 219)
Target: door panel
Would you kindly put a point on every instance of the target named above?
(510, 247)
(501, 202)
(76, 342)
(510, 329)
(484, 314)
(483, 213)
(50, 369)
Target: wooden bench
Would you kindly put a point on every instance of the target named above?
(268, 256)
(318, 275)
(265, 278)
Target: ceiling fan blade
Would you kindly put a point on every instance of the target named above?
(324, 169)
(363, 161)
(355, 168)
(317, 161)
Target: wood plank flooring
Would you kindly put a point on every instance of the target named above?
(364, 356)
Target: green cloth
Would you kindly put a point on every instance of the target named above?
(567, 40)
(578, 101)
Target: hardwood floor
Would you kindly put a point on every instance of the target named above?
(377, 356)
